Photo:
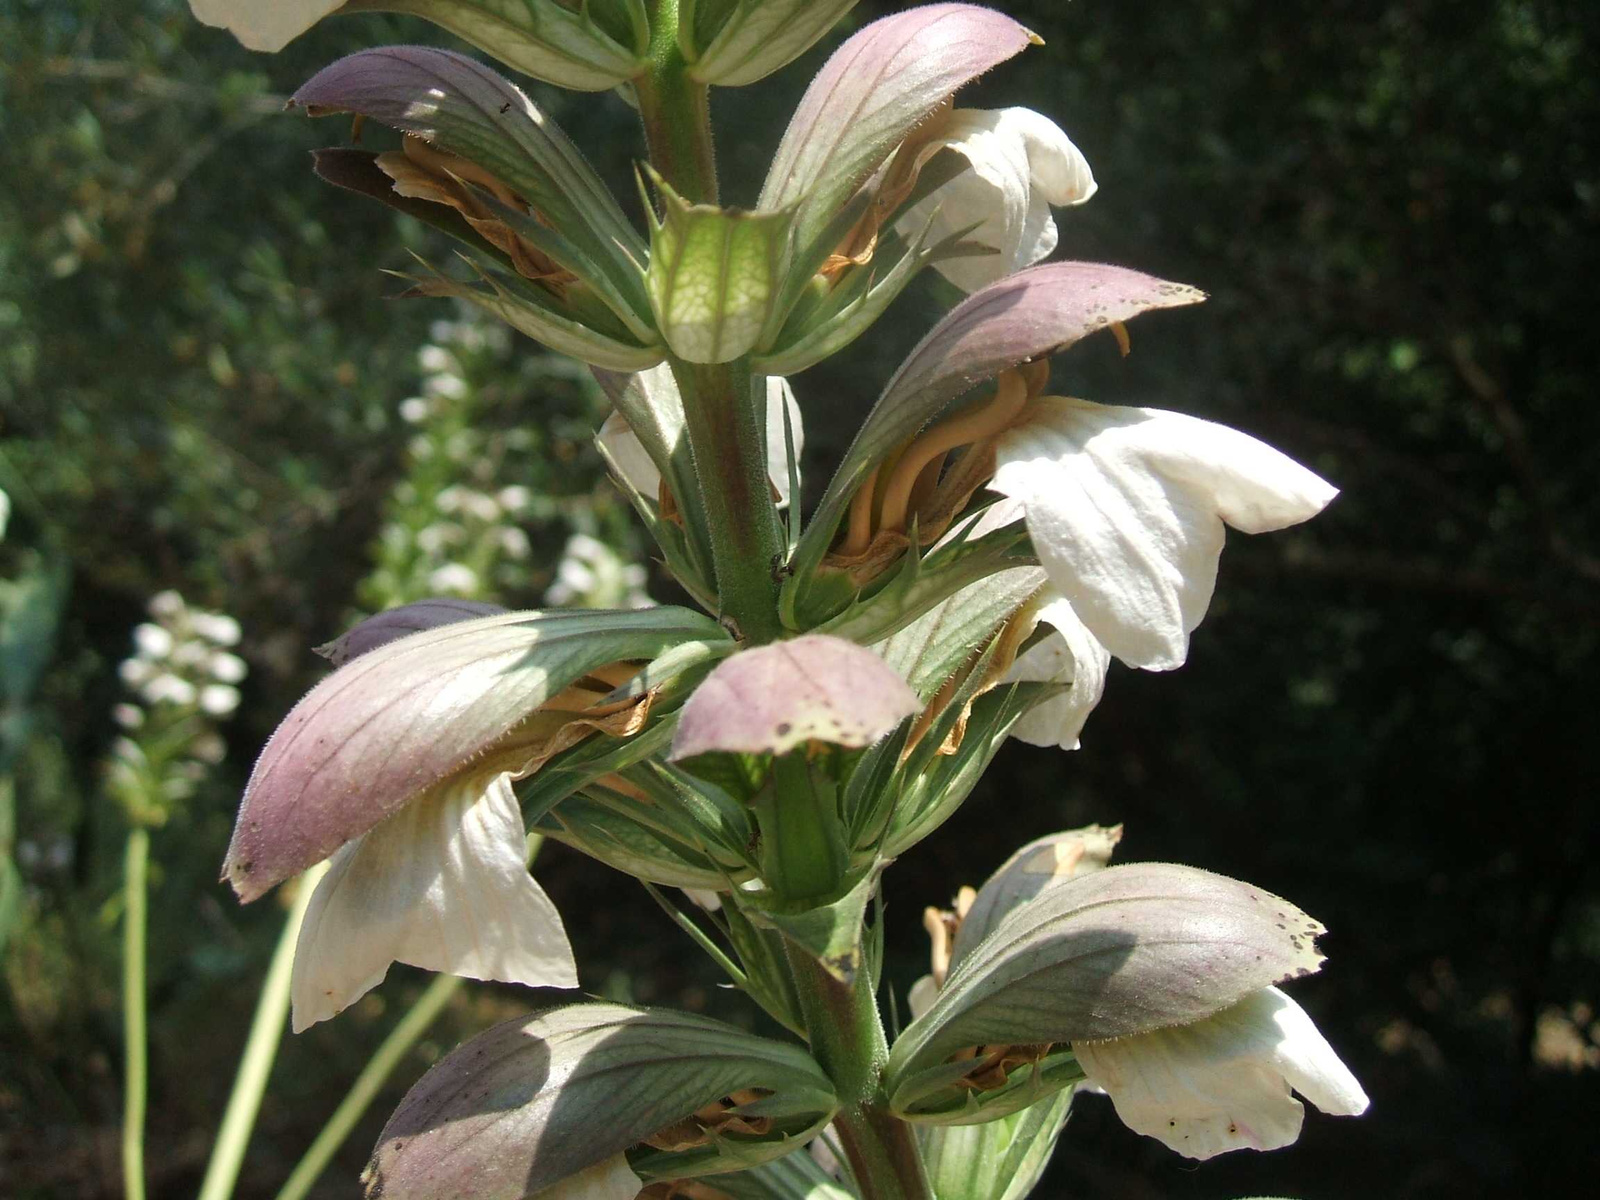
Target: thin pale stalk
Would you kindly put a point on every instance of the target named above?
(136, 1081)
(261, 1048)
(847, 1040)
(389, 1054)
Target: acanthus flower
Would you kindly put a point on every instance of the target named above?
(1224, 1083)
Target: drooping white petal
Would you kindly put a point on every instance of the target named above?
(443, 885)
(1069, 655)
(263, 24)
(1224, 1083)
(1125, 507)
(629, 455)
(609, 1179)
(1021, 164)
(922, 995)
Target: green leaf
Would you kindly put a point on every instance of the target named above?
(754, 37)
(796, 1176)
(536, 1100)
(830, 933)
(542, 38)
(714, 274)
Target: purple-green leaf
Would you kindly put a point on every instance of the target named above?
(382, 628)
(773, 698)
(395, 721)
(536, 1100)
(878, 87)
(1116, 952)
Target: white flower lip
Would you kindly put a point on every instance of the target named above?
(440, 885)
(267, 25)
(1224, 1083)
(1126, 509)
(1020, 164)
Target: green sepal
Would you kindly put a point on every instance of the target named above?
(761, 956)
(531, 310)
(796, 1176)
(854, 305)
(536, 1100)
(830, 932)
(1114, 953)
(998, 1160)
(630, 836)
(920, 583)
(596, 47)
(714, 274)
(934, 1096)
(932, 647)
(803, 848)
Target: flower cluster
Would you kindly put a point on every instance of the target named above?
(983, 550)
(183, 679)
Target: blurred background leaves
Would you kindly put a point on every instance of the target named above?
(1387, 717)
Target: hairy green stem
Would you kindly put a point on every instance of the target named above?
(261, 1048)
(676, 112)
(136, 1072)
(726, 423)
(367, 1085)
(847, 1039)
(724, 413)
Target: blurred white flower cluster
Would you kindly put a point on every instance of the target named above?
(593, 575)
(183, 679)
(458, 524)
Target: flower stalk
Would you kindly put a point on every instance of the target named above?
(136, 1085)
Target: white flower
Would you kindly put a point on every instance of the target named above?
(1071, 655)
(217, 627)
(263, 24)
(413, 410)
(227, 668)
(152, 641)
(453, 579)
(1126, 506)
(135, 671)
(129, 716)
(168, 689)
(167, 604)
(625, 449)
(1020, 163)
(218, 699)
(1224, 1083)
(440, 885)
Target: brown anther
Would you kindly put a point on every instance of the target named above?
(995, 1064)
(1120, 332)
(667, 505)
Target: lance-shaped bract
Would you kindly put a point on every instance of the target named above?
(1114, 953)
(590, 47)
(539, 1099)
(713, 275)
(396, 721)
(878, 87)
(773, 698)
(463, 107)
(735, 42)
(1025, 316)
(997, 1160)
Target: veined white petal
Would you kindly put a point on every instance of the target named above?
(1020, 164)
(625, 449)
(263, 24)
(443, 885)
(1224, 1083)
(1126, 506)
(1069, 655)
(609, 1179)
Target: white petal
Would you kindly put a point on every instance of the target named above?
(629, 455)
(610, 1179)
(441, 885)
(1126, 506)
(1223, 1083)
(922, 995)
(1021, 163)
(263, 24)
(780, 398)
(1069, 655)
